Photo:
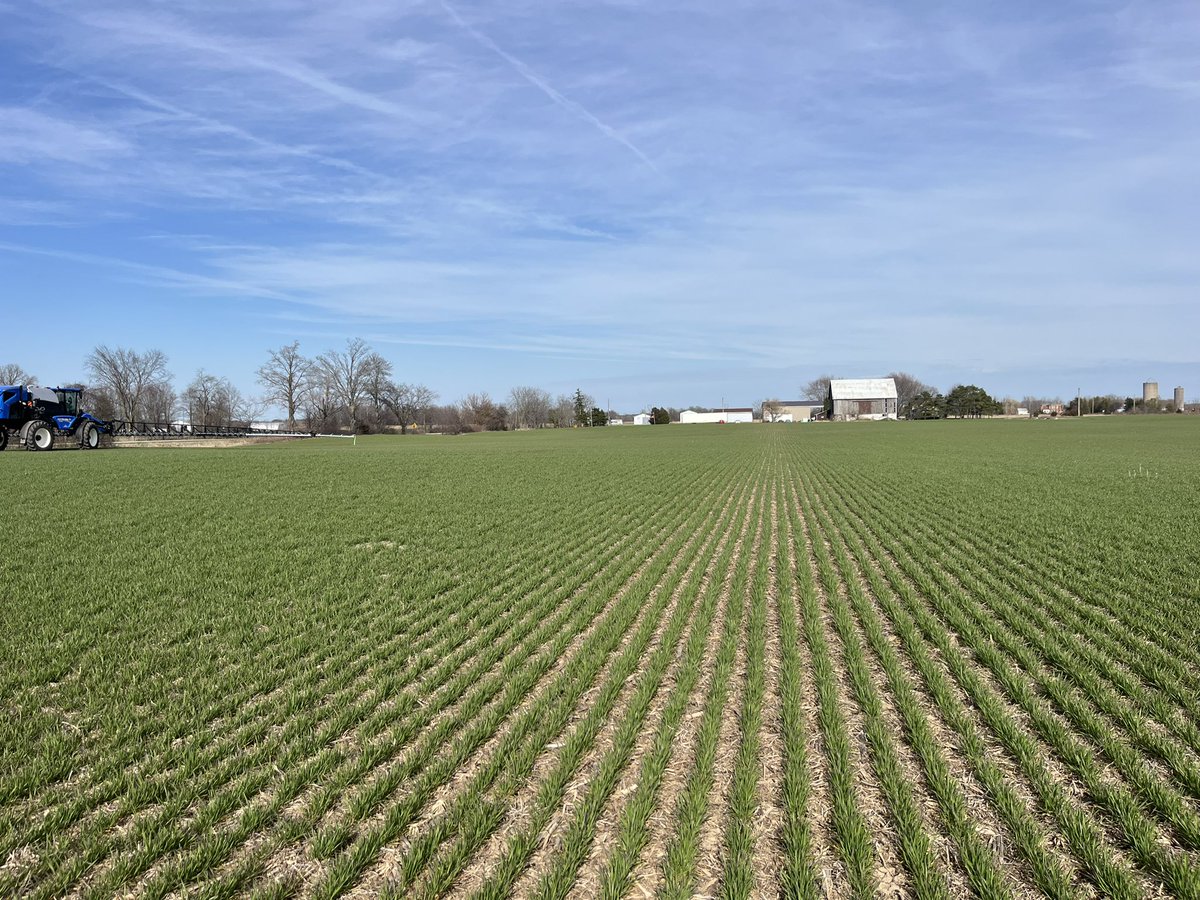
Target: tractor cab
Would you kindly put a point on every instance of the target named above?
(56, 403)
(68, 400)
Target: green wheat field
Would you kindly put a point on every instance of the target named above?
(940, 659)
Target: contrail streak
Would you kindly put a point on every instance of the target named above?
(532, 77)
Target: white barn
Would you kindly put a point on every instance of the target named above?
(641, 419)
(731, 415)
(863, 398)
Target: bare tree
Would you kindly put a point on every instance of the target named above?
(349, 374)
(1034, 404)
(818, 388)
(213, 400)
(420, 400)
(208, 399)
(286, 377)
(483, 413)
(245, 409)
(126, 376)
(320, 402)
(770, 410)
(377, 385)
(11, 373)
(562, 412)
(529, 407)
(908, 388)
(408, 402)
(160, 402)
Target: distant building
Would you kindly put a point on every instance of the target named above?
(730, 415)
(794, 411)
(642, 419)
(616, 421)
(1022, 411)
(863, 398)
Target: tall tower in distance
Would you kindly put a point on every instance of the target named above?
(1179, 399)
(1150, 395)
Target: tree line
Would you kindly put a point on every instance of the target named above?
(1110, 403)
(347, 388)
(352, 388)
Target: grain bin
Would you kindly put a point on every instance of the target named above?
(1178, 399)
(1149, 393)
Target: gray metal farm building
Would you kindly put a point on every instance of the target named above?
(863, 398)
(795, 410)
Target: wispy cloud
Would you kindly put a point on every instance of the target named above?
(152, 275)
(31, 138)
(139, 29)
(213, 125)
(542, 85)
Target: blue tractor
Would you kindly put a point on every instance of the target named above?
(39, 416)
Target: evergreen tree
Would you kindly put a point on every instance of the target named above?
(927, 405)
(582, 418)
(970, 401)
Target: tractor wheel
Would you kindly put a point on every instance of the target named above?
(39, 435)
(89, 436)
(3, 437)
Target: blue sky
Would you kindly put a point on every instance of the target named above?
(661, 202)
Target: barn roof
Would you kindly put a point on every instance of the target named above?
(863, 388)
(800, 402)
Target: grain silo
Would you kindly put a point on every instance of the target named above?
(1149, 393)
(1178, 399)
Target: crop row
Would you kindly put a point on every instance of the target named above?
(1037, 708)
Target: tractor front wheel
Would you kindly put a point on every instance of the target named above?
(89, 436)
(40, 436)
(3, 437)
